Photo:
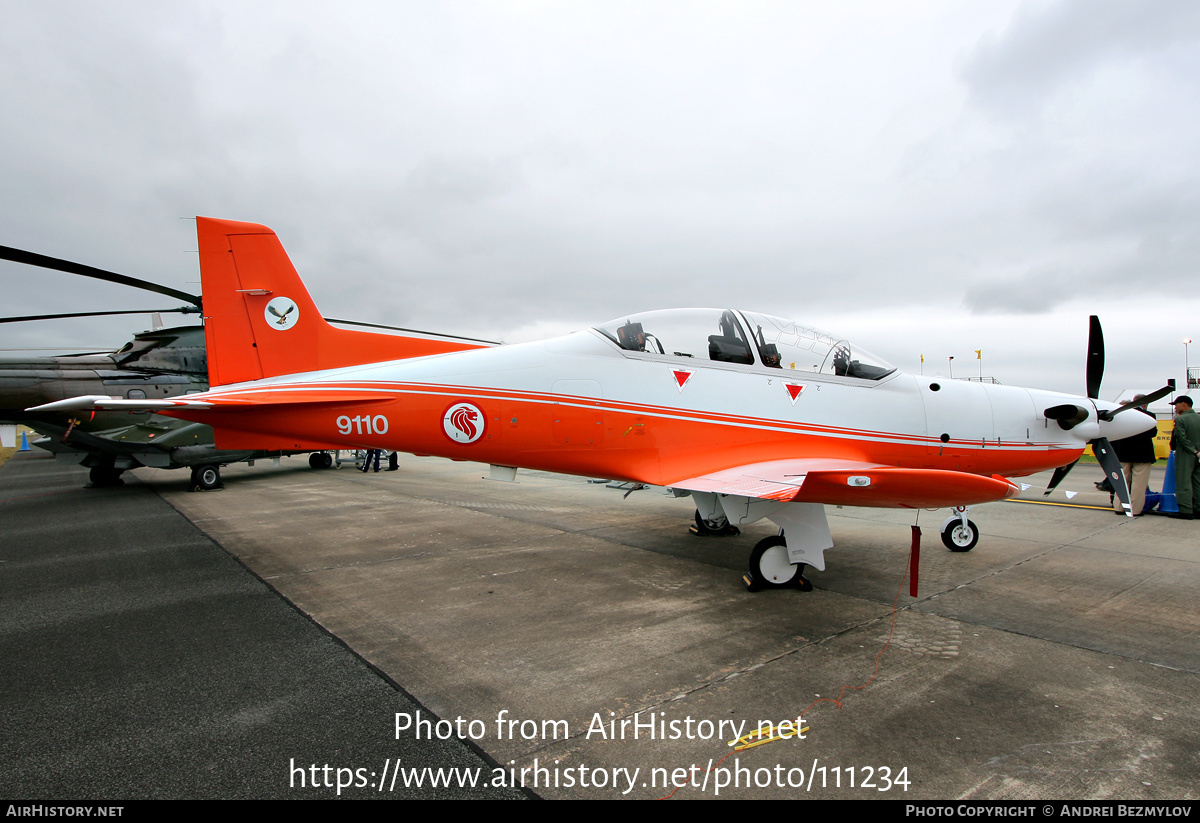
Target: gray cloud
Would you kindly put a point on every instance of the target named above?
(492, 169)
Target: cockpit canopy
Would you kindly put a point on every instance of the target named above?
(746, 338)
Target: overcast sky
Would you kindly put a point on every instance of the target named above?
(923, 177)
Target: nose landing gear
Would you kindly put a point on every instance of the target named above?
(958, 533)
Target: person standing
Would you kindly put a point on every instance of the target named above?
(1187, 458)
(373, 456)
(1137, 456)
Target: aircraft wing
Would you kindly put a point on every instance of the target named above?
(852, 483)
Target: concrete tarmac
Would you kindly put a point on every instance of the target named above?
(590, 641)
(142, 661)
(588, 636)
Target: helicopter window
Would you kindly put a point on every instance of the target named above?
(804, 348)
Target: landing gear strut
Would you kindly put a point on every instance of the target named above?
(960, 534)
(771, 569)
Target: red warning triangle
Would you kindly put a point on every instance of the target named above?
(681, 377)
(794, 389)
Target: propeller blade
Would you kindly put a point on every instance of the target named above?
(1095, 358)
(1112, 469)
(42, 261)
(181, 310)
(1145, 401)
(1059, 474)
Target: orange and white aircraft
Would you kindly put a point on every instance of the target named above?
(751, 415)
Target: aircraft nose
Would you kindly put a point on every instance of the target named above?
(1126, 424)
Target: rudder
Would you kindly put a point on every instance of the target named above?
(260, 321)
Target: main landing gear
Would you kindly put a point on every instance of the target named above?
(713, 528)
(771, 569)
(206, 478)
(771, 566)
(102, 476)
(320, 460)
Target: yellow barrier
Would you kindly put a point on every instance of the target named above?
(1162, 440)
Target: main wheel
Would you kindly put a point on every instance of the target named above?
(719, 528)
(105, 476)
(960, 538)
(207, 477)
(320, 460)
(771, 569)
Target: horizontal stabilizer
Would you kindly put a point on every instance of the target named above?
(100, 402)
(213, 403)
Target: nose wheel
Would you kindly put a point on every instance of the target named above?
(960, 535)
(770, 567)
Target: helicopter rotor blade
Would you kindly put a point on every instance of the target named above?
(31, 259)
(181, 310)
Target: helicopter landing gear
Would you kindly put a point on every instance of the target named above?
(206, 478)
(101, 476)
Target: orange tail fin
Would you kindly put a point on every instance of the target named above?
(259, 320)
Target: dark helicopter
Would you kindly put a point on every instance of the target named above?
(159, 363)
(155, 364)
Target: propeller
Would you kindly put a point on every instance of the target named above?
(1112, 470)
(1070, 415)
(1095, 357)
(1059, 474)
(1141, 401)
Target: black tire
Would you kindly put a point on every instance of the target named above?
(320, 460)
(771, 569)
(960, 539)
(206, 477)
(703, 529)
(100, 476)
